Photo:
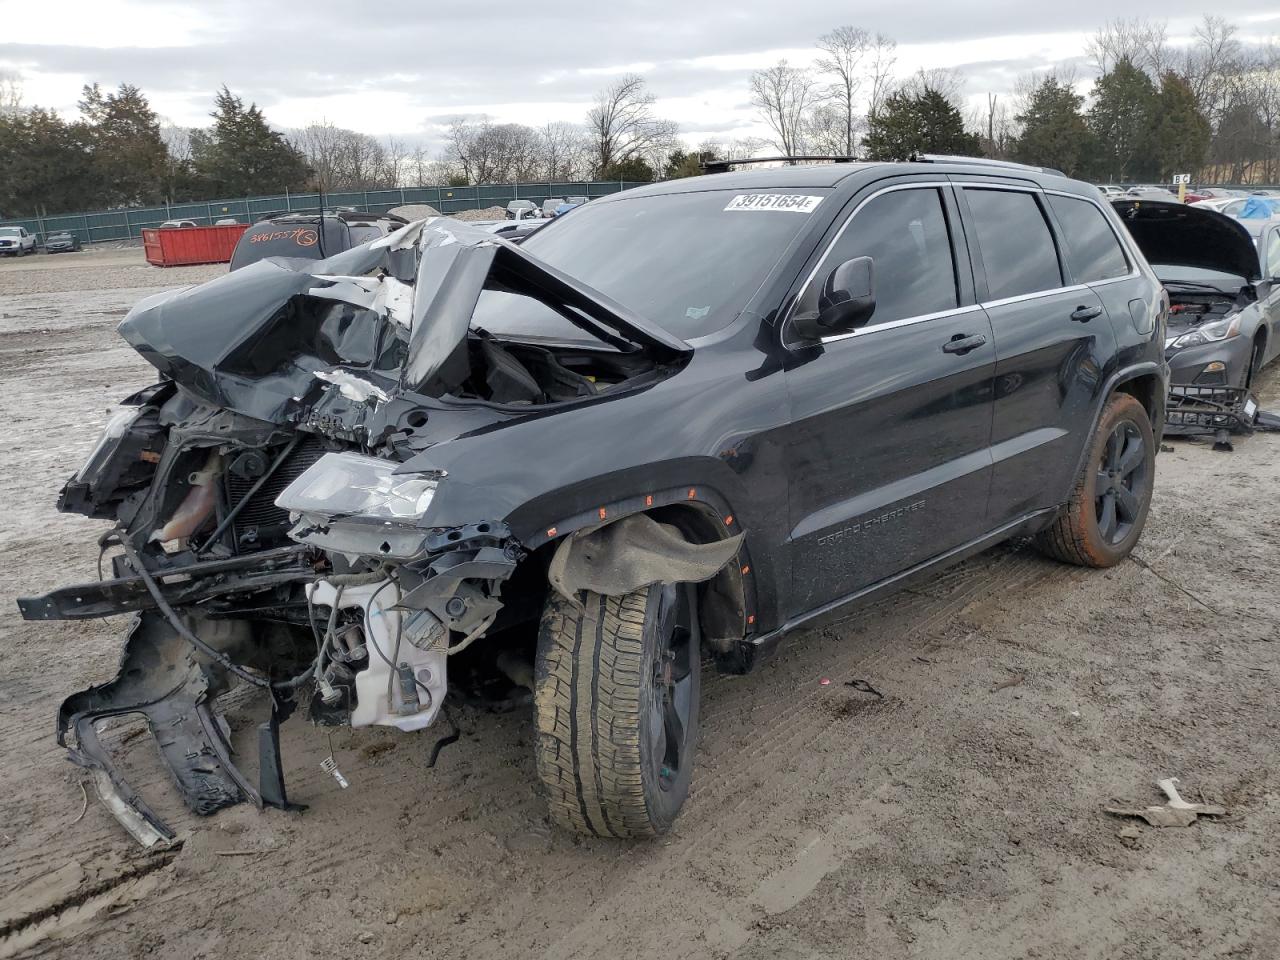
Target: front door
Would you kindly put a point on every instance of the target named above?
(891, 423)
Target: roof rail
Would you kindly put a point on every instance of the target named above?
(982, 162)
(312, 214)
(722, 166)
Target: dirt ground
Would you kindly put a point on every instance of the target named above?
(957, 814)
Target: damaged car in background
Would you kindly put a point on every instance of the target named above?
(440, 466)
(1223, 284)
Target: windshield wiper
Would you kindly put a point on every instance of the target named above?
(1196, 284)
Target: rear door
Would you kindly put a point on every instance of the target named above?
(1052, 337)
(889, 463)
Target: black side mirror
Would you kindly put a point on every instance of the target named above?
(847, 301)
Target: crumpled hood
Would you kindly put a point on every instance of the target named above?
(398, 307)
(1189, 236)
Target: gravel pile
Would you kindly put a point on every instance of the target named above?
(415, 211)
(488, 213)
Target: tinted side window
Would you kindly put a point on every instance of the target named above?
(1017, 246)
(905, 232)
(1093, 251)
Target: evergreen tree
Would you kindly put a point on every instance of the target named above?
(681, 164)
(1122, 119)
(632, 169)
(909, 124)
(241, 155)
(129, 158)
(1180, 132)
(1054, 132)
(47, 164)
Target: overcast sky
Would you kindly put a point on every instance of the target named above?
(396, 67)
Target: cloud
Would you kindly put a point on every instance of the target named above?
(402, 65)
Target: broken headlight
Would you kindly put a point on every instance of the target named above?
(117, 426)
(342, 486)
(1207, 333)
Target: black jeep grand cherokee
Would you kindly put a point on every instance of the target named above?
(673, 427)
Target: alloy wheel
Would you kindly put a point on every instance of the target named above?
(672, 703)
(1121, 482)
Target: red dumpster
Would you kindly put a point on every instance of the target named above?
(183, 246)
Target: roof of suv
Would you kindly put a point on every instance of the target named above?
(831, 174)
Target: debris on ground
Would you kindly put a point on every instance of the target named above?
(1176, 813)
(863, 687)
(1129, 835)
(1014, 681)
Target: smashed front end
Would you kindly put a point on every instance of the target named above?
(265, 527)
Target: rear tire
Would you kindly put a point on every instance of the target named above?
(616, 690)
(1109, 503)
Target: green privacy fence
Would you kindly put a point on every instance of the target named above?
(102, 225)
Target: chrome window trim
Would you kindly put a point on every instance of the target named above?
(1039, 294)
(1125, 247)
(904, 322)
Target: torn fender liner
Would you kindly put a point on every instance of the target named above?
(631, 553)
(159, 679)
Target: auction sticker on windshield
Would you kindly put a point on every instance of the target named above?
(791, 203)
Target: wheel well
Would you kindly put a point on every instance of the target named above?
(1146, 390)
(722, 600)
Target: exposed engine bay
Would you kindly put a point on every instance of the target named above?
(1191, 309)
(279, 518)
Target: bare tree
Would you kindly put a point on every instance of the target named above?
(10, 93)
(732, 148)
(177, 163)
(488, 152)
(423, 170)
(396, 157)
(343, 159)
(843, 50)
(564, 151)
(321, 144)
(882, 56)
(1210, 63)
(827, 130)
(784, 95)
(623, 125)
(947, 81)
(997, 127)
(1142, 42)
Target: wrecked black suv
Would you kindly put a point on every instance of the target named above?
(669, 429)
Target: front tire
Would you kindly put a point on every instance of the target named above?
(617, 683)
(1255, 360)
(1103, 520)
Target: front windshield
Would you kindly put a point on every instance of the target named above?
(9, 232)
(689, 262)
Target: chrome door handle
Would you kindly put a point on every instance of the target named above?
(962, 344)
